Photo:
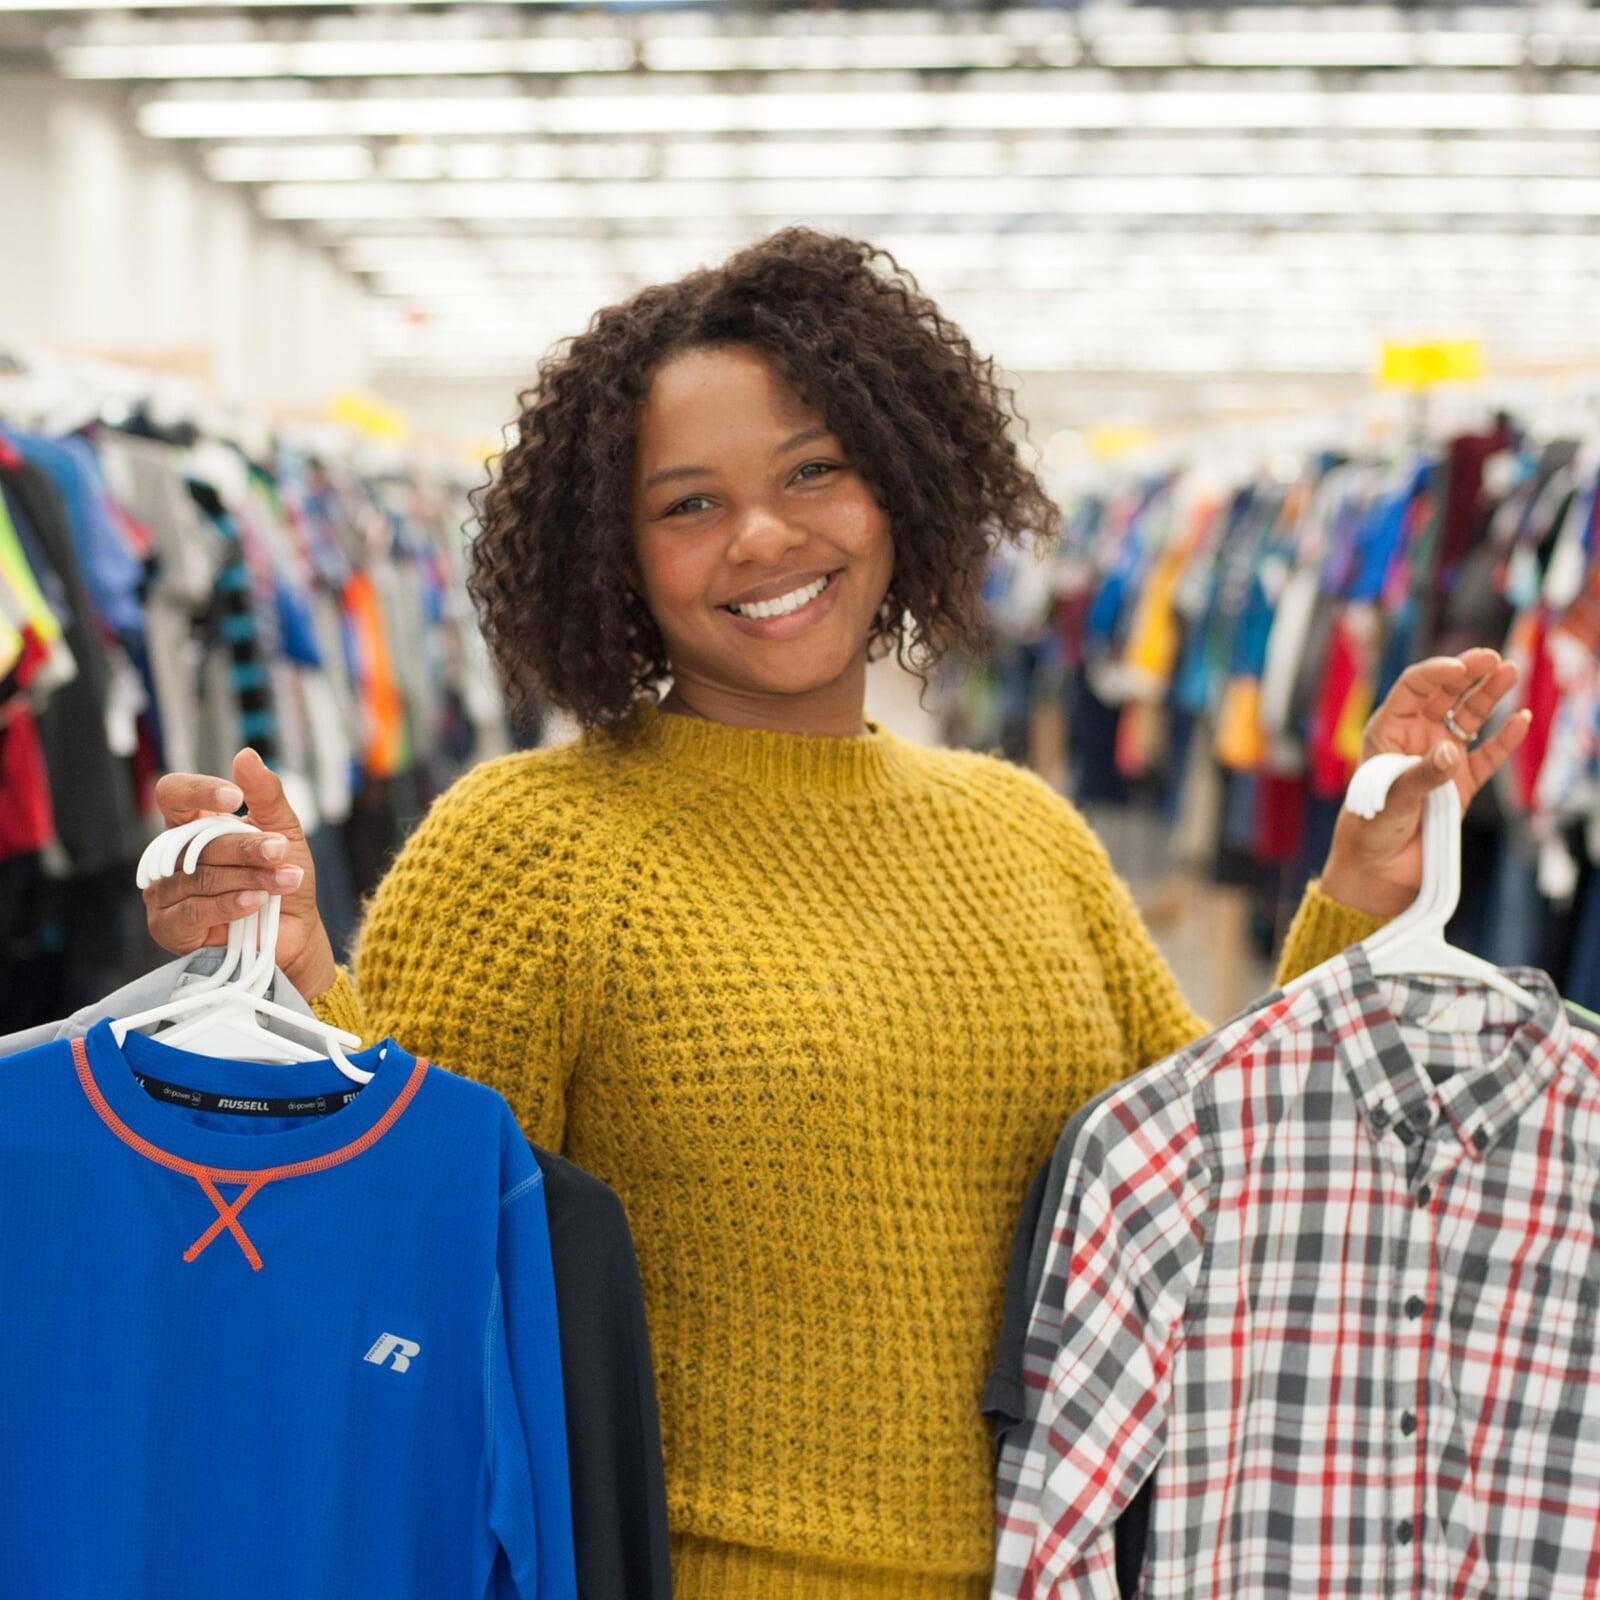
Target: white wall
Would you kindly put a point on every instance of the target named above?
(26, 301)
(110, 242)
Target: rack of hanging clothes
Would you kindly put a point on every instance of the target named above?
(176, 584)
(1218, 634)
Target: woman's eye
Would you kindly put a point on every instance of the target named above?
(688, 506)
(821, 466)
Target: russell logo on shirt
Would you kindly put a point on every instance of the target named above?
(388, 1345)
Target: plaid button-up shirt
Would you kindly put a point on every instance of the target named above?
(1332, 1275)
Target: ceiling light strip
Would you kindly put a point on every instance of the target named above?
(1063, 109)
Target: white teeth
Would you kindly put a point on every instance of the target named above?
(784, 604)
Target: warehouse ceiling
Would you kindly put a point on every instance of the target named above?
(1122, 189)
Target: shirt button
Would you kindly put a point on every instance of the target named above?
(1480, 1140)
(1408, 1424)
(1424, 1195)
(1380, 1118)
(1414, 1307)
(1421, 1117)
(1403, 1533)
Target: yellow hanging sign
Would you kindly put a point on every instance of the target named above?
(1422, 366)
(369, 416)
(1109, 443)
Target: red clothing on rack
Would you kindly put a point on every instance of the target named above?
(27, 823)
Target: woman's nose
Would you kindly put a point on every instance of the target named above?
(763, 535)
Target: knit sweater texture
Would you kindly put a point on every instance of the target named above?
(817, 1009)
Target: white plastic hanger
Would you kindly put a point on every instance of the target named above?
(222, 1014)
(1414, 942)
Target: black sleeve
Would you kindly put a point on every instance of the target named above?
(619, 1492)
(1002, 1402)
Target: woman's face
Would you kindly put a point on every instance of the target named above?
(761, 551)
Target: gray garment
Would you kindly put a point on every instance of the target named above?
(335, 716)
(1002, 1401)
(153, 989)
(148, 477)
(400, 600)
(1004, 1404)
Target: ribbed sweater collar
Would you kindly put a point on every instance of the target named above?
(874, 762)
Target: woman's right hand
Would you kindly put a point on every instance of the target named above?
(239, 871)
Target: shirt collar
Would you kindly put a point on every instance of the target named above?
(1394, 1093)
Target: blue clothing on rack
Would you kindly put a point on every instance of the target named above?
(270, 1333)
(111, 571)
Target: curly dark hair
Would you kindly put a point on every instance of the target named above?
(917, 410)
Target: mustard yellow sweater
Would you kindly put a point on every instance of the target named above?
(817, 1009)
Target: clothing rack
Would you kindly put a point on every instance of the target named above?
(178, 580)
(1216, 630)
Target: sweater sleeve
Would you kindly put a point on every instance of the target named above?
(1152, 1014)
(1321, 928)
(1155, 1018)
(473, 951)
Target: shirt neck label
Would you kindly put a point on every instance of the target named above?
(315, 1105)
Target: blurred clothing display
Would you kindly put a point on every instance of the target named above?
(167, 599)
(1230, 633)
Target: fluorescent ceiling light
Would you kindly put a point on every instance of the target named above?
(1346, 47)
(1350, 48)
(311, 163)
(340, 58)
(551, 201)
(1346, 38)
(847, 52)
(1139, 50)
(1360, 248)
(1450, 47)
(1269, 198)
(422, 57)
(961, 156)
(1060, 106)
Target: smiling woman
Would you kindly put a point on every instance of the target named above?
(746, 426)
(765, 578)
(816, 1002)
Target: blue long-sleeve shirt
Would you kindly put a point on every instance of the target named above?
(270, 1333)
(111, 571)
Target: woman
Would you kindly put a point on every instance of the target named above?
(816, 1002)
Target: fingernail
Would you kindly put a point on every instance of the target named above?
(229, 796)
(288, 877)
(273, 848)
(251, 899)
(1444, 757)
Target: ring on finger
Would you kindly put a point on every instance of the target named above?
(1454, 727)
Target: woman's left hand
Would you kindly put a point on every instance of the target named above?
(1376, 866)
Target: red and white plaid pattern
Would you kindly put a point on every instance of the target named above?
(1333, 1275)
